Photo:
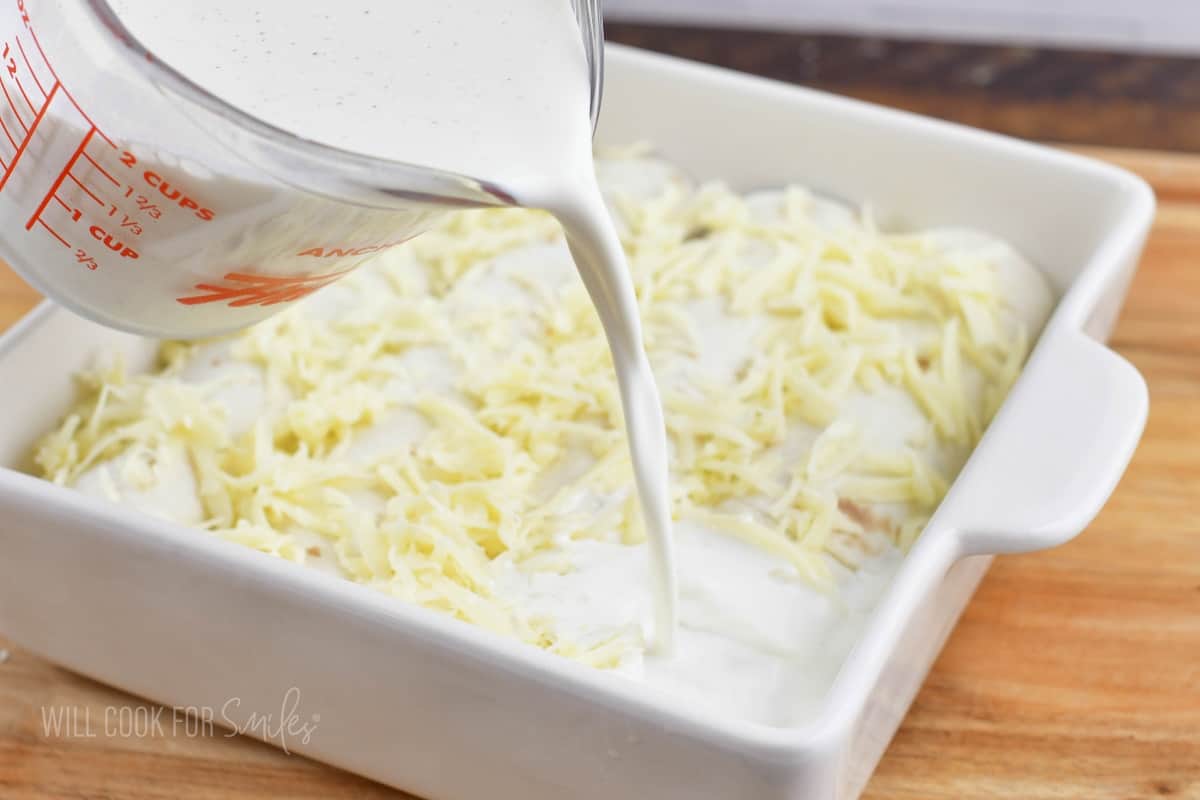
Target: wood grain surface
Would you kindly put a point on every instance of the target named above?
(1074, 673)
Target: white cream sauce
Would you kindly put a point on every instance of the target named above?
(499, 91)
(753, 642)
(496, 91)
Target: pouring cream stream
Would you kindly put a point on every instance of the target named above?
(496, 91)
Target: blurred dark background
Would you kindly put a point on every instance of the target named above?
(1124, 98)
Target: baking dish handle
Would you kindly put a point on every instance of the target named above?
(1055, 451)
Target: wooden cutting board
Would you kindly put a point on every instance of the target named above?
(1074, 673)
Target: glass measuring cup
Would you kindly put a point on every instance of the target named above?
(138, 199)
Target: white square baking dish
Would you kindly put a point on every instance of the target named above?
(443, 710)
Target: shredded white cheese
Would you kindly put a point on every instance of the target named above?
(452, 410)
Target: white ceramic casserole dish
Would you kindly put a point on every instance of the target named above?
(443, 710)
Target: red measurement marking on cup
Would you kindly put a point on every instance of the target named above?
(32, 71)
(50, 68)
(55, 234)
(59, 180)
(244, 289)
(101, 198)
(8, 133)
(13, 106)
(28, 137)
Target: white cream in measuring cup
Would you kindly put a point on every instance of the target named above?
(134, 199)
